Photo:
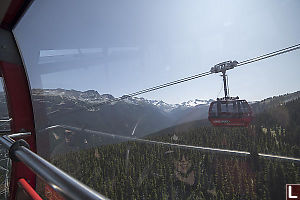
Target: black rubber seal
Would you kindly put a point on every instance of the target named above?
(14, 147)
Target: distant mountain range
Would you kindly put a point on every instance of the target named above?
(88, 108)
(132, 116)
(92, 97)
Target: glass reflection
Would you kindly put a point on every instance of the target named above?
(160, 145)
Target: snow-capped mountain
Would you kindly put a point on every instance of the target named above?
(103, 112)
(134, 115)
(196, 102)
(89, 96)
(93, 97)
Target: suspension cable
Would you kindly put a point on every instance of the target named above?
(248, 61)
(268, 55)
(165, 85)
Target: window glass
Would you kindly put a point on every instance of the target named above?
(245, 107)
(84, 58)
(213, 110)
(227, 107)
(224, 107)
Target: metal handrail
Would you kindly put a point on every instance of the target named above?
(61, 182)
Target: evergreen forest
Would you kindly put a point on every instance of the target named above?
(136, 170)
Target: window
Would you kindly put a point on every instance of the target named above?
(244, 107)
(213, 111)
(84, 57)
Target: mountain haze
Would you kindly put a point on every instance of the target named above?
(88, 109)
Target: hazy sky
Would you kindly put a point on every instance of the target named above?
(119, 46)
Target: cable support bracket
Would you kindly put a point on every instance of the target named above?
(223, 66)
(14, 147)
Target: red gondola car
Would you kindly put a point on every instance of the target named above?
(230, 112)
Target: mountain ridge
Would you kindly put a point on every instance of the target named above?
(144, 116)
(92, 96)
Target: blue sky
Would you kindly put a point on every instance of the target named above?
(119, 47)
